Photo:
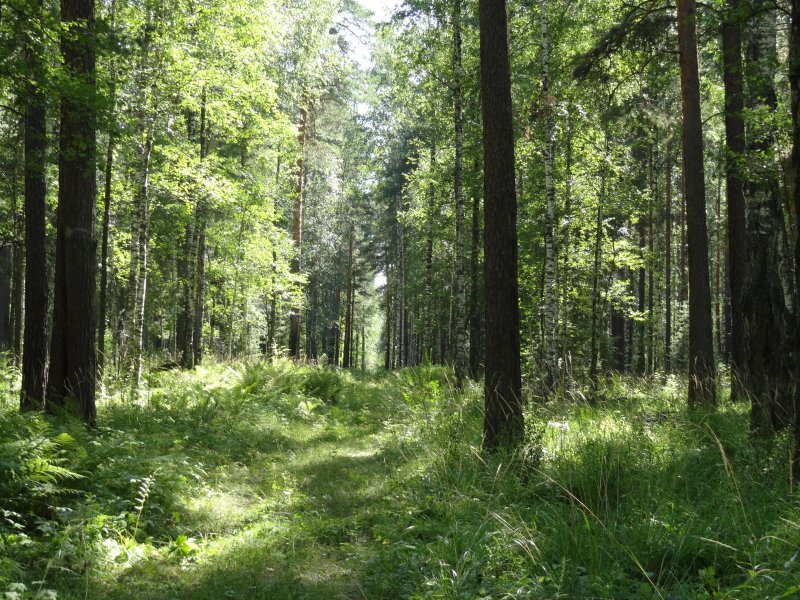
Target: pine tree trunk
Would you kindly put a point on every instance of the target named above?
(388, 357)
(550, 294)
(34, 356)
(17, 290)
(297, 232)
(794, 84)
(766, 316)
(427, 343)
(201, 218)
(363, 349)
(642, 293)
(6, 277)
(735, 148)
(503, 418)
(348, 316)
(474, 301)
(72, 353)
(718, 296)
(702, 383)
(668, 260)
(651, 256)
(683, 287)
(459, 288)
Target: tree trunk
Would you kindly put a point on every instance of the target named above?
(34, 356)
(388, 358)
(363, 349)
(718, 295)
(702, 384)
(503, 418)
(651, 256)
(668, 260)
(6, 277)
(348, 315)
(201, 218)
(474, 301)
(766, 318)
(72, 354)
(794, 84)
(735, 147)
(459, 289)
(550, 293)
(297, 232)
(427, 343)
(641, 288)
(17, 289)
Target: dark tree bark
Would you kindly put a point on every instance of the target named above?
(618, 338)
(297, 233)
(387, 363)
(735, 146)
(459, 291)
(683, 287)
(6, 277)
(428, 342)
(474, 300)
(794, 84)
(348, 315)
(503, 419)
(641, 288)
(201, 218)
(72, 354)
(702, 380)
(668, 260)
(363, 350)
(651, 256)
(17, 281)
(34, 353)
(766, 320)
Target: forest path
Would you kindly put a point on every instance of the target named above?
(290, 511)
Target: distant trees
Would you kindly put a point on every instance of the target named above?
(272, 197)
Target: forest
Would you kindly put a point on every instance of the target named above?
(375, 299)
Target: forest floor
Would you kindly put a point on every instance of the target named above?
(273, 482)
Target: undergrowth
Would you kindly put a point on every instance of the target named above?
(279, 481)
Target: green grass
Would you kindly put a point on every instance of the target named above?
(256, 481)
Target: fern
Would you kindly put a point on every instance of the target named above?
(34, 468)
(141, 499)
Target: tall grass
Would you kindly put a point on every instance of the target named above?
(284, 481)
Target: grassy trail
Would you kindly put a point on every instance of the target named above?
(291, 517)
